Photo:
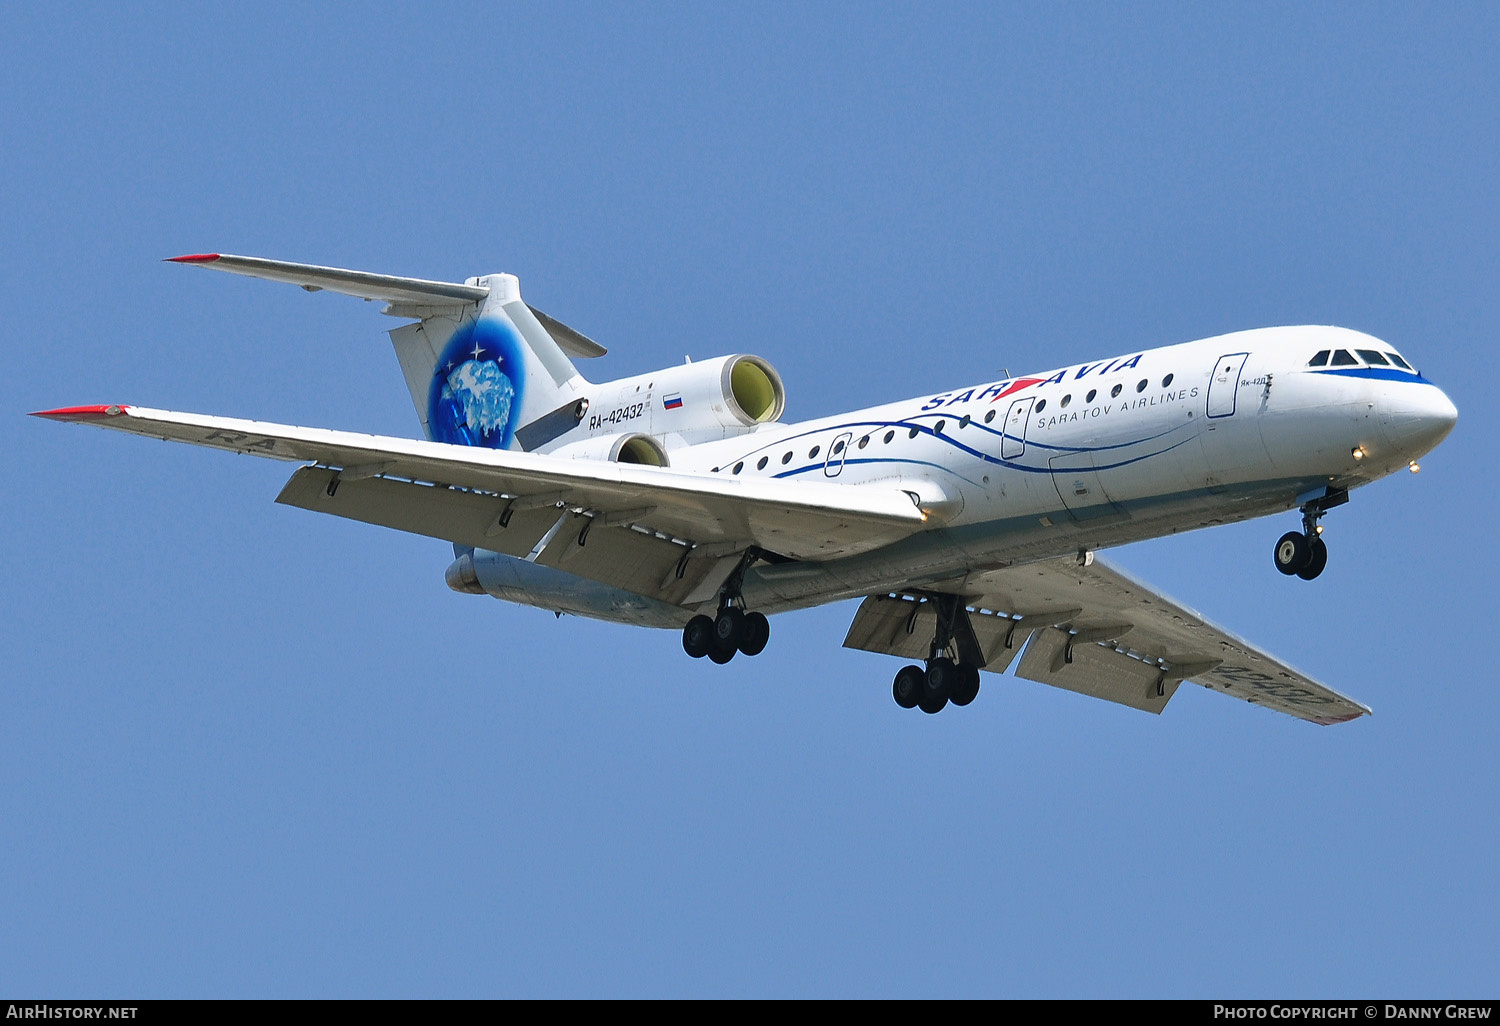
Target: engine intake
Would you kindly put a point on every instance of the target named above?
(633, 447)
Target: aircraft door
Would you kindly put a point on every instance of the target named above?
(837, 453)
(1224, 385)
(1013, 444)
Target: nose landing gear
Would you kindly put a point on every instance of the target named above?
(1304, 554)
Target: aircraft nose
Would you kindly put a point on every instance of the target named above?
(1416, 418)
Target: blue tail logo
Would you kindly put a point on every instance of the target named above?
(475, 395)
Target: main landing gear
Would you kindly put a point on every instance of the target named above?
(942, 680)
(1303, 553)
(733, 629)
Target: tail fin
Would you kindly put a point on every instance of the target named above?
(489, 374)
(483, 367)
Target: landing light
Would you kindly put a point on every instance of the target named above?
(1318, 529)
(1358, 453)
(1413, 466)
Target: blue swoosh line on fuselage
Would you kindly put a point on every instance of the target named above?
(907, 425)
(1377, 373)
(880, 459)
(998, 461)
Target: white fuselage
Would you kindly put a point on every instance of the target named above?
(1097, 454)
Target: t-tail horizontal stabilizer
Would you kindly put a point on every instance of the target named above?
(413, 297)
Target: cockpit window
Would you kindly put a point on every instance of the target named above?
(1341, 358)
(1373, 358)
(1396, 359)
(1321, 360)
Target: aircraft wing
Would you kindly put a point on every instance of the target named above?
(508, 501)
(407, 296)
(1098, 631)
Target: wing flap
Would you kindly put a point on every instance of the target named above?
(615, 555)
(1128, 619)
(1096, 671)
(800, 520)
(903, 625)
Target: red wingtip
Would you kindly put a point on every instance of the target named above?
(193, 258)
(81, 412)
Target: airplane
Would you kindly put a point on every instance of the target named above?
(967, 521)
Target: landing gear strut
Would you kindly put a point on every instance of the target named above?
(1304, 554)
(942, 680)
(733, 629)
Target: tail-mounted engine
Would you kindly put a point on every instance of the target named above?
(696, 402)
(631, 447)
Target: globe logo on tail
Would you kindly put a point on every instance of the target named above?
(476, 386)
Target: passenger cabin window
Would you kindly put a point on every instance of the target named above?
(1114, 393)
(1341, 358)
(786, 458)
(813, 452)
(888, 436)
(1373, 358)
(1396, 359)
(738, 467)
(1041, 404)
(762, 464)
(1090, 397)
(1320, 360)
(989, 416)
(1166, 382)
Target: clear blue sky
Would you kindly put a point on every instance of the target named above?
(245, 750)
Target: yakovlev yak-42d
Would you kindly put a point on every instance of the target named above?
(968, 520)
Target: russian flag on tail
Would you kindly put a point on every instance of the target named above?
(672, 401)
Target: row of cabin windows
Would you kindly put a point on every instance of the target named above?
(1344, 358)
(937, 428)
(1114, 393)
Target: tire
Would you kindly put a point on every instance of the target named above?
(938, 682)
(1292, 552)
(932, 706)
(698, 636)
(729, 628)
(1316, 561)
(721, 654)
(907, 688)
(966, 688)
(756, 633)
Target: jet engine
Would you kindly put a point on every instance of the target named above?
(695, 402)
(633, 447)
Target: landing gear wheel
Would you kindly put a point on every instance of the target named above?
(729, 628)
(966, 688)
(698, 636)
(933, 705)
(939, 681)
(756, 632)
(907, 689)
(721, 654)
(1292, 552)
(1316, 560)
